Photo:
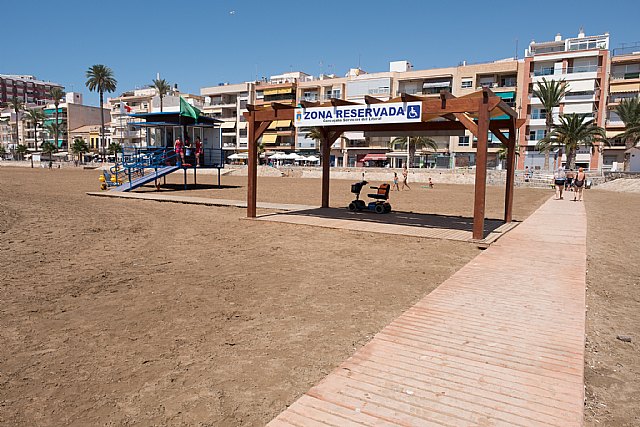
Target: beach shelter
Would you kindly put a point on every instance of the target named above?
(480, 113)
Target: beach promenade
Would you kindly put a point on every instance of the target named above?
(501, 342)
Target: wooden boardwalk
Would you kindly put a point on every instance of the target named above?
(501, 342)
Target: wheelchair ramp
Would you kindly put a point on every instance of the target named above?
(145, 179)
(501, 342)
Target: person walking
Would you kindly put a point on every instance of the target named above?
(405, 177)
(198, 150)
(177, 146)
(568, 183)
(578, 184)
(559, 178)
(395, 182)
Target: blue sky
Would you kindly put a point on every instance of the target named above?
(203, 43)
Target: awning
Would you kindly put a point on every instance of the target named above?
(353, 135)
(437, 84)
(628, 87)
(613, 133)
(506, 95)
(239, 156)
(228, 125)
(279, 91)
(242, 125)
(269, 138)
(280, 124)
(374, 156)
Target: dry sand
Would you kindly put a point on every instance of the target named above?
(119, 312)
(612, 367)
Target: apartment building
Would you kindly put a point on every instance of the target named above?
(26, 88)
(624, 82)
(583, 62)
(226, 102)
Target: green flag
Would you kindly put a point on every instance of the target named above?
(188, 110)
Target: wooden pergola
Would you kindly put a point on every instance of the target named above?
(473, 112)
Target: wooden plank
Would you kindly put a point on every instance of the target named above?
(481, 169)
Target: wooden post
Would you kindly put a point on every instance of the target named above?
(252, 178)
(511, 166)
(326, 161)
(481, 168)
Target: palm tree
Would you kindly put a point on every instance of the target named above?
(315, 134)
(573, 131)
(629, 112)
(550, 94)
(415, 143)
(36, 116)
(54, 130)
(115, 148)
(56, 94)
(162, 87)
(16, 104)
(21, 150)
(100, 78)
(79, 147)
(49, 147)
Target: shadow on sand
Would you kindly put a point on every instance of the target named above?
(398, 218)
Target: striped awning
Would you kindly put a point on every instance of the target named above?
(627, 87)
(269, 138)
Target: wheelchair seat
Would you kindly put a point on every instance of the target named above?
(382, 193)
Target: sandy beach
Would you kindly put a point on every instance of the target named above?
(123, 312)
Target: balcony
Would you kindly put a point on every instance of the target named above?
(625, 76)
(571, 73)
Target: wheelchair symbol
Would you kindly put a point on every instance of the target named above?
(414, 112)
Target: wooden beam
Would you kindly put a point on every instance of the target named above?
(481, 168)
(251, 107)
(281, 106)
(511, 167)
(328, 138)
(337, 102)
(410, 98)
(467, 122)
(259, 130)
(309, 104)
(252, 178)
(372, 100)
(500, 136)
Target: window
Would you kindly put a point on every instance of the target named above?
(466, 83)
(538, 113)
(508, 81)
(463, 141)
(536, 135)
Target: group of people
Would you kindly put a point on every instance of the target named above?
(405, 181)
(186, 149)
(569, 180)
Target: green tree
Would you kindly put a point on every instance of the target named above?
(162, 87)
(56, 94)
(3, 152)
(79, 147)
(36, 116)
(114, 148)
(21, 149)
(54, 130)
(502, 151)
(49, 148)
(415, 143)
(550, 94)
(100, 78)
(16, 105)
(315, 134)
(573, 131)
(629, 112)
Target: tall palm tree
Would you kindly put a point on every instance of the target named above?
(79, 147)
(550, 94)
(36, 116)
(315, 134)
(100, 78)
(56, 94)
(629, 112)
(17, 105)
(54, 129)
(415, 143)
(573, 131)
(162, 87)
